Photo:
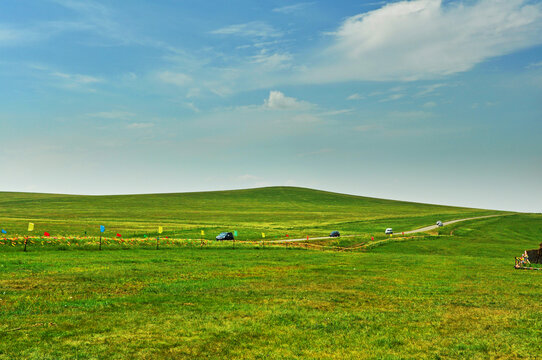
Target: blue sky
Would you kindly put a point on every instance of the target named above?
(430, 101)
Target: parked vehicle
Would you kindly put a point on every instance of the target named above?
(439, 223)
(389, 231)
(335, 234)
(225, 236)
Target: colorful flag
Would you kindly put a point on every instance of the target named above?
(102, 228)
(235, 233)
(202, 232)
(4, 231)
(119, 235)
(287, 235)
(263, 235)
(46, 234)
(30, 226)
(160, 229)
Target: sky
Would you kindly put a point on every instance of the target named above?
(424, 100)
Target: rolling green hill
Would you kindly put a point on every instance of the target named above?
(274, 210)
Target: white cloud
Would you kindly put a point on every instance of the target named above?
(392, 97)
(279, 101)
(12, 36)
(114, 114)
(534, 65)
(356, 96)
(275, 61)
(306, 119)
(429, 104)
(430, 89)
(174, 78)
(336, 112)
(140, 125)
(289, 9)
(365, 128)
(426, 39)
(251, 29)
(76, 80)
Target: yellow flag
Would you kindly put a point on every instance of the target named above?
(202, 232)
(160, 229)
(263, 235)
(30, 226)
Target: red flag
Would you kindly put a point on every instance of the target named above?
(119, 235)
(46, 234)
(287, 235)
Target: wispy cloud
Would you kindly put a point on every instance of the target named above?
(114, 114)
(356, 96)
(11, 36)
(140, 125)
(429, 104)
(534, 65)
(257, 29)
(289, 9)
(426, 39)
(429, 89)
(273, 61)
(174, 78)
(77, 79)
(392, 97)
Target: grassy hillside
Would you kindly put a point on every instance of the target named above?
(440, 297)
(274, 210)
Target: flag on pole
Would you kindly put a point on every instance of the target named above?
(30, 226)
(102, 228)
(235, 233)
(160, 229)
(119, 235)
(287, 235)
(202, 232)
(263, 235)
(4, 231)
(46, 234)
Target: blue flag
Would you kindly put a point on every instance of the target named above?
(4, 231)
(102, 228)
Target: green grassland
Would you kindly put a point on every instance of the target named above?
(451, 294)
(276, 211)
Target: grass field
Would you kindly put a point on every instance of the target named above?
(277, 211)
(450, 294)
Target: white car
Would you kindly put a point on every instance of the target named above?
(439, 223)
(389, 231)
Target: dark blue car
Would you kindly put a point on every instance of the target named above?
(335, 234)
(225, 236)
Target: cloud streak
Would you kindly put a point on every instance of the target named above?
(426, 39)
(257, 29)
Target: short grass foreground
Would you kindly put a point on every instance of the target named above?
(440, 297)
